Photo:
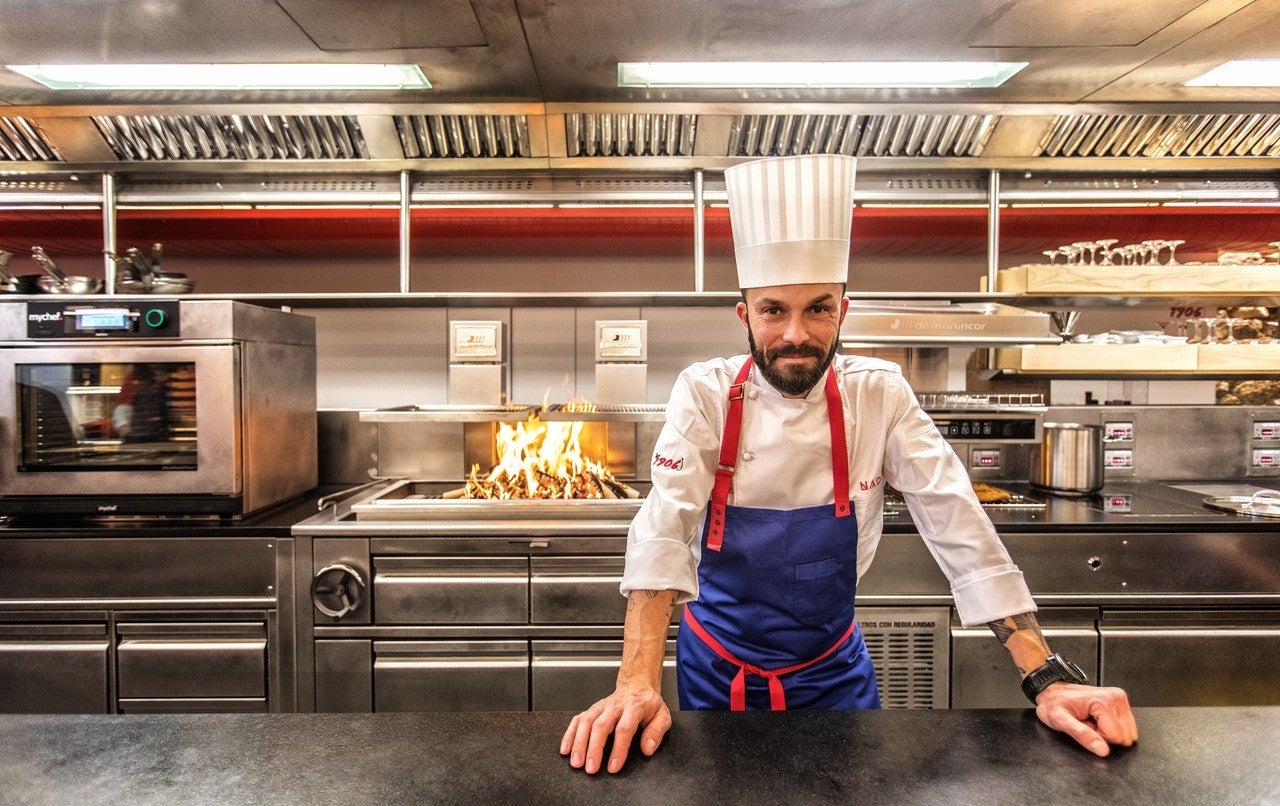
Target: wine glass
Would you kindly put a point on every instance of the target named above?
(1105, 244)
(1051, 254)
(1084, 249)
(1173, 248)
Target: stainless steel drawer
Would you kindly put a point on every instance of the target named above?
(54, 668)
(571, 675)
(983, 674)
(201, 660)
(576, 590)
(450, 676)
(194, 705)
(1215, 657)
(451, 590)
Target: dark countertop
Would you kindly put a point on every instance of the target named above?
(989, 757)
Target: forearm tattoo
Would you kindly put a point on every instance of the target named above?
(1025, 626)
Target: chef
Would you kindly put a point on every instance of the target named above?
(767, 504)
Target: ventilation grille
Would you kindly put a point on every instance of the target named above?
(908, 647)
(20, 141)
(1162, 136)
(860, 135)
(657, 135)
(236, 137)
(513, 185)
(453, 136)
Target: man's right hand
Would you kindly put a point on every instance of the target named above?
(629, 708)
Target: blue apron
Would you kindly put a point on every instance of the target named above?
(773, 626)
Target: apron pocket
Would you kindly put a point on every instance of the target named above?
(820, 589)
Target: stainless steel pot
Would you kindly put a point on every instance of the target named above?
(1068, 460)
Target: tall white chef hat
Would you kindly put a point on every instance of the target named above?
(790, 218)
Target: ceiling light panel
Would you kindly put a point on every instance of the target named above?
(1241, 73)
(224, 76)
(817, 74)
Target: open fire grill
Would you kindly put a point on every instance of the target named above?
(525, 463)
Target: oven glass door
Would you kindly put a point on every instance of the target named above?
(122, 420)
(139, 415)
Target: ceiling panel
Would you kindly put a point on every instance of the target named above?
(336, 25)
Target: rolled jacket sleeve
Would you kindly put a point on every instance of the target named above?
(919, 463)
(664, 540)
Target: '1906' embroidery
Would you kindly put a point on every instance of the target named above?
(663, 461)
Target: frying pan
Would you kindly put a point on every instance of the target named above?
(59, 283)
(21, 284)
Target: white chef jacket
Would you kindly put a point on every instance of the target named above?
(785, 463)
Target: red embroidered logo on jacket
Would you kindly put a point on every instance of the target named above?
(664, 461)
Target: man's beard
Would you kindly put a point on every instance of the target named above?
(792, 380)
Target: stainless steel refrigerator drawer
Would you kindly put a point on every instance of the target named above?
(983, 674)
(201, 660)
(571, 675)
(576, 590)
(54, 668)
(451, 590)
(1218, 657)
(450, 676)
(195, 705)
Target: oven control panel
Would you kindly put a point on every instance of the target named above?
(90, 320)
(988, 427)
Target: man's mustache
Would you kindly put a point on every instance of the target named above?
(797, 351)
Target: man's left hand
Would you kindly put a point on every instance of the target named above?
(1095, 716)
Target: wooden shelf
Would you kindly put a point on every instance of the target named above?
(1139, 281)
(1095, 360)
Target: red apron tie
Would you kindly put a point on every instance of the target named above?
(728, 461)
(738, 688)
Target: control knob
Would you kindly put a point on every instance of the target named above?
(337, 589)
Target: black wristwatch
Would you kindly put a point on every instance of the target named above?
(1056, 669)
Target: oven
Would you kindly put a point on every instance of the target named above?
(160, 406)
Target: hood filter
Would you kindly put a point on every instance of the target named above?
(20, 141)
(606, 135)
(860, 135)
(233, 137)
(1162, 136)
(453, 136)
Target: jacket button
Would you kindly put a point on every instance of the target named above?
(752, 394)
(747, 456)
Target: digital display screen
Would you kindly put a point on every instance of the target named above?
(102, 320)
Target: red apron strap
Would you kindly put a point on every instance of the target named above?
(839, 448)
(738, 687)
(728, 459)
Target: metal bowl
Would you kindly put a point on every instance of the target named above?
(72, 284)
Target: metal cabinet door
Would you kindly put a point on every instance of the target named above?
(983, 674)
(450, 676)
(451, 590)
(1193, 658)
(196, 660)
(54, 668)
(570, 675)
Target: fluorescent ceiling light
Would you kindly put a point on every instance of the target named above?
(1241, 73)
(224, 76)
(816, 74)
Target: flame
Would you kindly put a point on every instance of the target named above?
(539, 459)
